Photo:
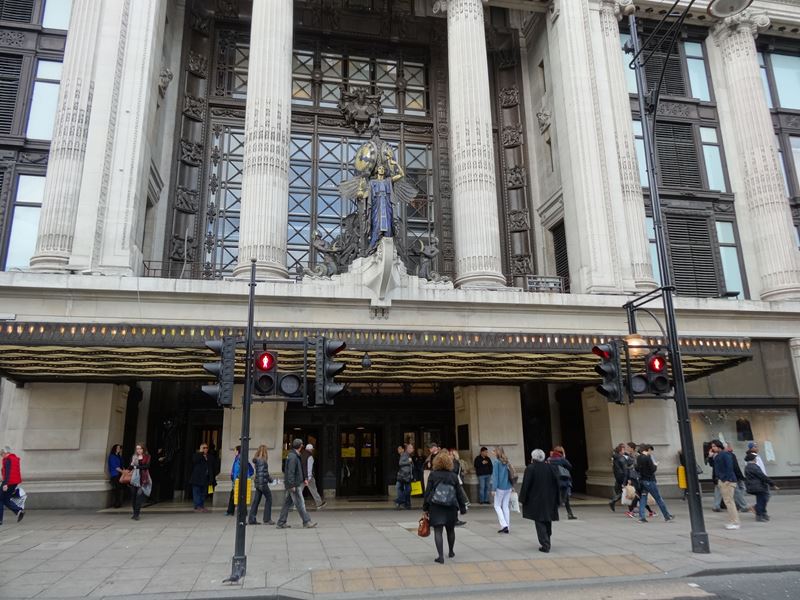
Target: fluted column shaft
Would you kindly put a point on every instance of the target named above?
(68, 145)
(265, 177)
(768, 215)
(589, 220)
(632, 197)
(476, 226)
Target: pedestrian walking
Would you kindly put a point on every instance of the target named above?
(442, 502)
(11, 473)
(636, 481)
(752, 448)
(758, 484)
(200, 478)
(647, 466)
(722, 464)
(293, 482)
(558, 459)
(539, 497)
(483, 470)
(235, 466)
(405, 473)
(502, 486)
(141, 484)
(619, 466)
(433, 450)
(419, 465)
(114, 471)
(311, 479)
(459, 468)
(261, 489)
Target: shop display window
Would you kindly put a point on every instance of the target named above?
(775, 430)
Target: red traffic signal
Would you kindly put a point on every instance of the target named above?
(265, 361)
(656, 363)
(266, 375)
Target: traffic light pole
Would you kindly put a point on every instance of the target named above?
(239, 561)
(649, 113)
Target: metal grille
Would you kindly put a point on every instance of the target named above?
(679, 164)
(692, 254)
(20, 11)
(560, 252)
(10, 68)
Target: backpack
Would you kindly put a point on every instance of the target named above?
(444, 495)
(563, 473)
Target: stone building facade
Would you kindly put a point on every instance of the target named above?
(152, 149)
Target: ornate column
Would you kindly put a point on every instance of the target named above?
(767, 214)
(592, 240)
(476, 227)
(68, 146)
(265, 177)
(612, 11)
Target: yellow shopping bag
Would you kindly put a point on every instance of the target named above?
(236, 491)
(210, 489)
(416, 488)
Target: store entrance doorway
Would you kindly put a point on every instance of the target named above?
(360, 465)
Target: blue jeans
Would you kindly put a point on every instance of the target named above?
(761, 503)
(404, 493)
(483, 487)
(199, 495)
(5, 501)
(650, 487)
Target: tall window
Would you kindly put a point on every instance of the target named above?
(56, 14)
(42, 113)
(25, 209)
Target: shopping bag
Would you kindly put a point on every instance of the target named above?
(236, 491)
(513, 502)
(210, 489)
(19, 498)
(628, 494)
(416, 488)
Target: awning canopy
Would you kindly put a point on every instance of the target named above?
(128, 352)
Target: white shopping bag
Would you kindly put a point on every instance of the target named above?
(19, 498)
(513, 502)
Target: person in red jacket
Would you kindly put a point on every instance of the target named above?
(12, 477)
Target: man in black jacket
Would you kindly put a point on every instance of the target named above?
(646, 467)
(294, 481)
(620, 464)
(483, 469)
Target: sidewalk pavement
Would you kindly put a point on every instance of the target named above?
(362, 553)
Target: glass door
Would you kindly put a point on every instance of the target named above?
(359, 462)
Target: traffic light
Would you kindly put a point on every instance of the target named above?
(266, 373)
(609, 369)
(654, 380)
(268, 381)
(223, 371)
(325, 387)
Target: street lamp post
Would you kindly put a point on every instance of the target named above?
(648, 107)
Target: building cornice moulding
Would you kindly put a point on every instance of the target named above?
(784, 14)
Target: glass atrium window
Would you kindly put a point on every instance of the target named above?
(56, 14)
(786, 70)
(729, 255)
(713, 159)
(42, 115)
(24, 221)
(696, 66)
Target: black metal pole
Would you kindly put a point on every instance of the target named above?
(239, 561)
(699, 536)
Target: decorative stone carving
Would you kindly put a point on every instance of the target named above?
(509, 97)
(182, 249)
(200, 23)
(233, 113)
(511, 136)
(750, 21)
(33, 158)
(14, 39)
(359, 107)
(197, 64)
(328, 253)
(186, 200)
(227, 9)
(164, 77)
(194, 108)
(521, 264)
(515, 177)
(554, 10)
(518, 221)
(675, 109)
(544, 117)
(191, 153)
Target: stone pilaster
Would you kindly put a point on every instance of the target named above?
(68, 146)
(632, 198)
(265, 179)
(766, 211)
(120, 216)
(589, 220)
(476, 226)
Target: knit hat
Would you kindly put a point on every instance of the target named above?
(751, 445)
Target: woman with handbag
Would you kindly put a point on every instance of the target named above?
(502, 486)
(261, 483)
(442, 502)
(140, 478)
(114, 472)
(558, 458)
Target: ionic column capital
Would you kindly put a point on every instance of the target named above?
(440, 6)
(751, 21)
(620, 8)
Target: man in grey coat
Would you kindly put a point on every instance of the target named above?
(294, 482)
